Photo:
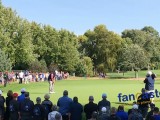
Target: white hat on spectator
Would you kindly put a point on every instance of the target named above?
(135, 106)
(23, 90)
(103, 109)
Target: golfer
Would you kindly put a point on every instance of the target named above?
(51, 80)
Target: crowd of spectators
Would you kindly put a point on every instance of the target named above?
(21, 107)
(28, 76)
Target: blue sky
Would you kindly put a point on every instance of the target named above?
(80, 15)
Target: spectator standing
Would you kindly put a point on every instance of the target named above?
(26, 108)
(104, 103)
(52, 115)
(135, 114)
(16, 75)
(2, 101)
(22, 96)
(38, 110)
(64, 104)
(46, 76)
(76, 110)
(156, 115)
(103, 114)
(143, 102)
(121, 113)
(30, 77)
(1, 78)
(14, 108)
(5, 76)
(8, 99)
(37, 78)
(26, 75)
(150, 113)
(47, 105)
(90, 107)
(56, 74)
(21, 76)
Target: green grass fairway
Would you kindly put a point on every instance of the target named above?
(83, 88)
(131, 74)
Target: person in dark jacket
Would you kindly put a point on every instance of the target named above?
(149, 81)
(103, 114)
(104, 103)
(14, 108)
(38, 110)
(8, 99)
(90, 108)
(149, 84)
(47, 105)
(150, 113)
(143, 102)
(76, 110)
(135, 114)
(156, 115)
(130, 110)
(26, 108)
(6, 79)
(2, 101)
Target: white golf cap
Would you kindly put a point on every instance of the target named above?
(149, 73)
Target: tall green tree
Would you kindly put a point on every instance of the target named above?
(8, 23)
(24, 47)
(137, 36)
(133, 57)
(148, 39)
(150, 30)
(39, 40)
(68, 57)
(5, 64)
(103, 46)
(84, 67)
(49, 45)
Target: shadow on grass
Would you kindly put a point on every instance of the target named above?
(122, 103)
(119, 77)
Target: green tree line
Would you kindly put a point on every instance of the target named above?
(37, 47)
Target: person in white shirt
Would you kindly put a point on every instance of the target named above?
(56, 74)
(21, 76)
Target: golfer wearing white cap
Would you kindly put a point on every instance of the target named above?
(149, 83)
